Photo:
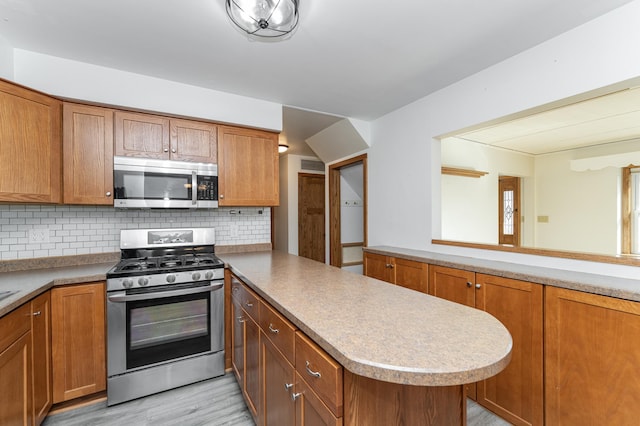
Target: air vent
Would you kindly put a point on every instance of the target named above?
(314, 165)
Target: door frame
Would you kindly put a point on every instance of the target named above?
(335, 242)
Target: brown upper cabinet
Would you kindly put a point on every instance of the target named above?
(87, 154)
(248, 167)
(154, 136)
(30, 142)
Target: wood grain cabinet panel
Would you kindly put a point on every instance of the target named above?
(194, 141)
(30, 146)
(405, 273)
(310, 410)
(41, 360)
(278, 378)
(248, 167)
(16, 398)
(87, 154)
(78, 340)
(592, 354)
(141, 135)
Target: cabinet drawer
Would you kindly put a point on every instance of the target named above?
(320, 371)
(279, 330)
(249, 301)
(14, 325)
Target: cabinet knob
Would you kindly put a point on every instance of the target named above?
(108, 194)
(37, 314)
(469, 284)
(295, 396)
(288, 386)
(166, 150)
(241, 320)
(249, 305)
(478, 286)
(173, 150)
(221, 197)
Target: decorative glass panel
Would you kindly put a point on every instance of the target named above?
(507, 213)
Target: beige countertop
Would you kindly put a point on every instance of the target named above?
(375, 329)
(622, 288)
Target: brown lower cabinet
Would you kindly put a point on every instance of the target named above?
(78, 340)
(592, 355)
(516, 393)
(402, 272)
(285, 378)
(41, 360)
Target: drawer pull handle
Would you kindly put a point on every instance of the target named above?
(310, 371)
(37, 314)
(249, 305)
(288, 386)
(273, 330)
(295, 396)
(241, 320)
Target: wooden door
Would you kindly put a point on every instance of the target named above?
(30, 146)
(252, 365)
(310, 410)
(41, 344)
(194, 141)
(247, 167)
(377, 266)
(455, 285)
(15, 368)
(516, 393)
(87, 154)
(592, 354)
(311, 241)
(509, 210)
(78, 340)
(278, 375)
(141, 135)
(411, 274)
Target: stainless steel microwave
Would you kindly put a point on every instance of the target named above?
(150, 183)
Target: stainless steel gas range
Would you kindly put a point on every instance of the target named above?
(165, 312)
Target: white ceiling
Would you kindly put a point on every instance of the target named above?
(609, 118)
(355, 58)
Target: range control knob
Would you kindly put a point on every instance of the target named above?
(171, 278)
(143, 281)
(208, 275)
(195, 276)
(127, 283)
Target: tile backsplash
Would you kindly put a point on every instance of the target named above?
(32, 231)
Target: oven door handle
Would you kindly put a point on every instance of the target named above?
(162, 294)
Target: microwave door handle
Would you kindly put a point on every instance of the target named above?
(120, 297)
(194, 188)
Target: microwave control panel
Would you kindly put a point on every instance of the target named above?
(208, 188)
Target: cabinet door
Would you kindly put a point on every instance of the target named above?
(377, 266)
(78, 340)
(194, 141)
(30, 142)
(15, 368)
(457, 286)
(237, 340)
(141, 135)
(411, 274)
(516, 393)
(592, 356)
(310, 411)
(87, 154)
(247, 167)
(252, 366)
(278, 375)
(41, 343)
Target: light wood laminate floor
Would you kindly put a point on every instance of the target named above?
(214, 402)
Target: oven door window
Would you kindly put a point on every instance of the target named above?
(164, 329)
(152, 186)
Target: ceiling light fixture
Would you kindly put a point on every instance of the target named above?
(267, 19)
(282, 148)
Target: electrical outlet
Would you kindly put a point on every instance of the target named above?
(38, 235)
(233, 230)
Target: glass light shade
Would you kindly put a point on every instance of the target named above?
(282, 148)
(264, 18)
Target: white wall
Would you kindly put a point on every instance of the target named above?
(404, 156)
(281, 212)
(6, 59)
(82, 81)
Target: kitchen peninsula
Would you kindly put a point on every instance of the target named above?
(406, 355)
